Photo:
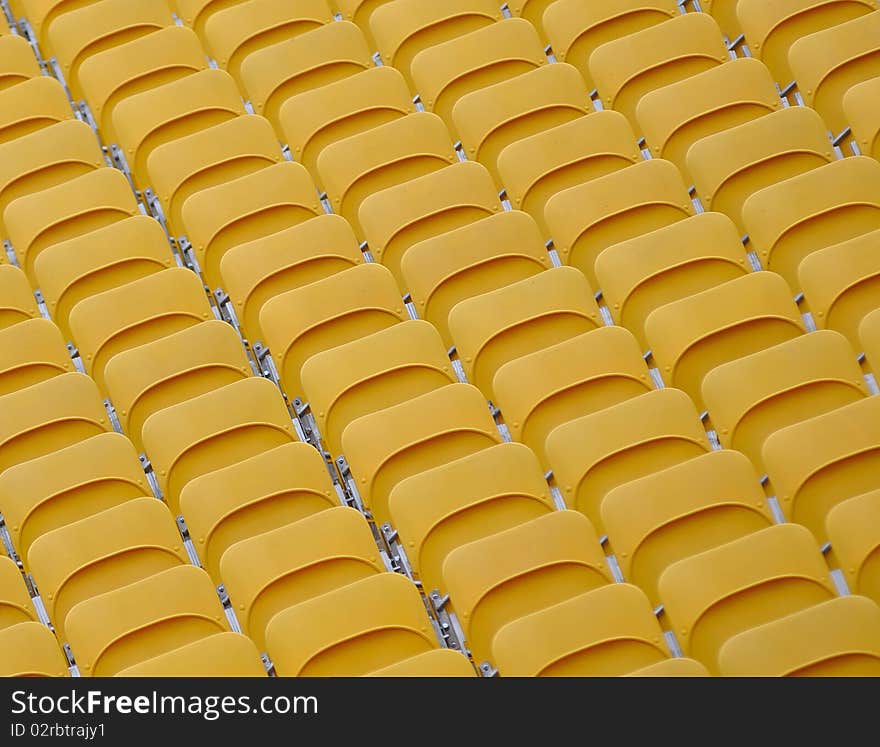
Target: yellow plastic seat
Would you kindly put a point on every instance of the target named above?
(118, 546)
(678, 667)
(88, 264)
(314, 119)
(666, 265)
(839, 638)
(494, 328)
(536, 168)
(443, 73)
(65, 211)
(30, 106)
(824, 206)
(506, 576)
(586, 219)
(855, 540)
(31, 352)
(134, 314)
(15, 602)
(820, 462)
(109, 77)
(359, 12)
(264, 492)
(310, 60)
(532, 10)
(468, 499)
(389, 445)
(562, 382)
(17, 301)
(373, 373)
(48, 416)
(593, 454)
(404, 28)
(259, 270)
(245, 209)
(236, 32)
(730, 166)
(284, 567)
(41, 13)
(219, 655)
(30, 650)
(436, 204)
(676, 116)
(477, 258)
(626, 69)
(491, 118)
(710, 597)
(195, 13)
(17, 61)
(137, 622)
(869, 334)
(441, 662)
(352, 630)
(752, 397)
(771, 27)
(339, 309)
(398, 151)
(862, 110)
(681, 511)
(692, 336)
(605, 632)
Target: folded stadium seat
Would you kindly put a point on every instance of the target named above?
(267, 491)
(681, 511)
(532, 10)
(219, 154)
(110, 549)
(246, 208)
(68, 485)
(593, 454)
(351, 631)
(396, 219)
(259, 270)
(710, 597)
(839, 638)
(441, 662)
(313, 59)
(724, 12)
(404, 28)
(605, 632)
(389, 445)
(65, 211)
(771, 27)
(314, 119)
(508, 575)
(215, 430)
(339, 309)
(48, 416)
(372, 373)
(30, 106)
(575, 29)
(17, 301)
(399, 151)
(111, 76)
(173, 369)
(869, 334)
(31, 352)
(671, 263)
(626, 69)
(195, 13)
(862, 110)
(537, 167)
(586, 219)
(86, 31)
(468, 499)
(491, 118)
(824, 206)
(562, 382)
(477, 258)
(281, 568)
(676, 116)
(134, 314)
(820, 462)
(220, 655)
(17, 61)
(855, 540)
(692, 336)
(132, 624)
(678, 667)
(30, 650)
(89, 264)
(359, 12)
(731, 165)
(15, 602)
(752, 397)
(41, 13)
(494, 328)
